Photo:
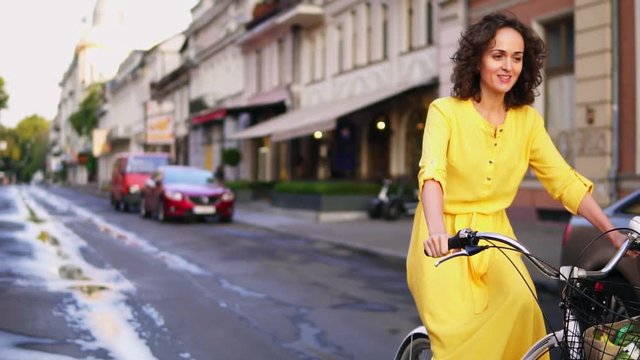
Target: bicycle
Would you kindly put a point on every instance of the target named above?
(594, 312)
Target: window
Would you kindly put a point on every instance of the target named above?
(282, 63)
(560, 46)
(409, 4)
(321, 57)
(258, 70)
(632, 207)
(429, 22)
(312, 57)
(385, 31)
(369, 34)
(354, 39)
(340, 51)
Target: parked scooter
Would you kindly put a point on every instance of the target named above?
(394, 199)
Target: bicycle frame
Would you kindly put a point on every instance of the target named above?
(565, 274)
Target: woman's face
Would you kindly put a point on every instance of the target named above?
(501, 62)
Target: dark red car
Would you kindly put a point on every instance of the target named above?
(176, 191)
(129, 173)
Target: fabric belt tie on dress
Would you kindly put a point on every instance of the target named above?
(478, 264)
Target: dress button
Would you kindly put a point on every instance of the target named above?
(490, 161)
(488, 179)
(495, 144)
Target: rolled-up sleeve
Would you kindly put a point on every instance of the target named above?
(560, 180)
(433, 162)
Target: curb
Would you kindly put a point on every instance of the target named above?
(390, 255)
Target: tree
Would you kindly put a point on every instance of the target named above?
(32, 133)
(86, 118)
(4, 97)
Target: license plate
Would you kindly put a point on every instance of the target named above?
(204, 210)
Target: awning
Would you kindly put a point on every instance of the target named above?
(272, 99)
(211, 115)
(320, 117)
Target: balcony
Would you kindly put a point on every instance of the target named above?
(302, 14)
(291, 12)
(269, 16)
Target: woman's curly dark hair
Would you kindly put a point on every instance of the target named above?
(476, 39)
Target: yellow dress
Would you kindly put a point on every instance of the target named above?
(480, 307)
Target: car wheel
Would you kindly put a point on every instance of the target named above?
(143, 209)
(161, 216)
(393, 211)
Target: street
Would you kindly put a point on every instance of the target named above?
(80, 280)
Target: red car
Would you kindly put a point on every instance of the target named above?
(176, 191)
(128, 175)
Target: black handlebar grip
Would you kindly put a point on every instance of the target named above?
(455, 242)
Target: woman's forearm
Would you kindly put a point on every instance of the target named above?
(591, 211)
(432, 206)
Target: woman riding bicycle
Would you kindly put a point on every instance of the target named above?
(477, 147)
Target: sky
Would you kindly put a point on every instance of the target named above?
(38, 37)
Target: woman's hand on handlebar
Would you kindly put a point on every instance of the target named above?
(617, 239)
(437, 245)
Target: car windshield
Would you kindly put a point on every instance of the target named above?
(145, 165)
(185, 176)
(633, 207)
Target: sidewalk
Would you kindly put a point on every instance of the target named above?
(387, 238)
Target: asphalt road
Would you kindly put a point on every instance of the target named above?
(79, 280)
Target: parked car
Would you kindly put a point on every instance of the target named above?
(128, 175)
(394, 199)
(175, 191)
(579, 233)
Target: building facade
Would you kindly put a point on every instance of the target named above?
(359, 77)
(339, 89)
(216, 76)
(132, 120)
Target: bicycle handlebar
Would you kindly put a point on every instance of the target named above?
(467, 241)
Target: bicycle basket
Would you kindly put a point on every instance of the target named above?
(602, 321)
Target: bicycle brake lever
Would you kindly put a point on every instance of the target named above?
(467, 251)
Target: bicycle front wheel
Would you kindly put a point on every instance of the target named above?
(418, 349)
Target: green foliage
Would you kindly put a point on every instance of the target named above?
(327, 187)
(231, 156)
(238, 185)
(92, 164)
(4, 97)
(86, 118)
(32, 145)
(32, 128)
(12, 152)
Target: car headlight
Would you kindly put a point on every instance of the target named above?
(227, 196)
(133, 189)
(176, 196)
